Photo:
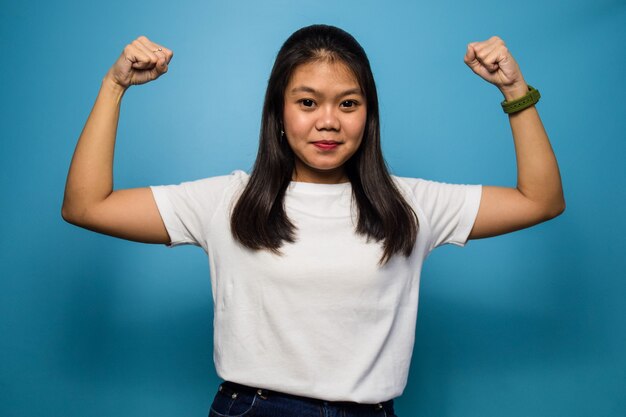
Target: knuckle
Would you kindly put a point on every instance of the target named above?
(142, 38)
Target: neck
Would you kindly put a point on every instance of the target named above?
(320, 177)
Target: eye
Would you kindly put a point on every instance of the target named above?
(349, 104)
(306, 102)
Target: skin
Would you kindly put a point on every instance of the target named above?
(538, 195)
(132, 214)
(323, 102)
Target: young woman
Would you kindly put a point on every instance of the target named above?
(315, 256)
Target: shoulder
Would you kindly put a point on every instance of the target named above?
(436, 196)
(421, 188)
(236, 177)
(415, 187)
(205, 192)
(216, 184)
(449, 209)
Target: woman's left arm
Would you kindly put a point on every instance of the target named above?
(539, 194)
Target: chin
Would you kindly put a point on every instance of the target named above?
(324, 168)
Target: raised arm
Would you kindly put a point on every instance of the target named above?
(89, 200)
(539, 194)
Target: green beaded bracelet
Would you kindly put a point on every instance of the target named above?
(521, 103)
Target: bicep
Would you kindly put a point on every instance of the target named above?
(130, 214)
(504, 210)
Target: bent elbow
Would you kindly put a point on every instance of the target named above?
(67, 215)
(70, 215)
(561, 208)
(555, 210)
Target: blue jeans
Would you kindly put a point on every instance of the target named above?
(235, 400)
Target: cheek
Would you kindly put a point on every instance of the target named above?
(356, 127)
(296, 123)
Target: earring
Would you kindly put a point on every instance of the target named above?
(282, 135)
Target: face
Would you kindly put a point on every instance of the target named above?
(324, 120)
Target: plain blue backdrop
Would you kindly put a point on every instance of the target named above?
(527, 324)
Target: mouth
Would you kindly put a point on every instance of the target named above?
(326, 145)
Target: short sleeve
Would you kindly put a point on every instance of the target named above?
(187, 208)
(450, 209)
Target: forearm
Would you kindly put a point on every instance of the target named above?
(90, 178)
(538, 177)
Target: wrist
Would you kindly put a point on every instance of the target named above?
(113, 87)
(515, 91)
(520, 103)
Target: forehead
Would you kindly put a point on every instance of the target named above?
(323, 75)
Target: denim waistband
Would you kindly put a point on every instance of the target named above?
(230, 388)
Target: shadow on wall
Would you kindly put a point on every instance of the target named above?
(128, 327)
(535, 322)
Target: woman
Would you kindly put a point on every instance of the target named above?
(316, 255)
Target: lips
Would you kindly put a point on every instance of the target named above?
(326, 145)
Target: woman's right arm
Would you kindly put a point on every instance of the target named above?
(90, 201)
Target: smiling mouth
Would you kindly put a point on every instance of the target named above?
(326, 145)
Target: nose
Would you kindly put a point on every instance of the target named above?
(328, 119)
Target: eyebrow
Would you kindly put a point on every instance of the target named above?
(305, 89)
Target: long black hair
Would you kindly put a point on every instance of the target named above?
(259, 220)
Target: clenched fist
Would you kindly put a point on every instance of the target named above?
(141, 61)
(492, 61)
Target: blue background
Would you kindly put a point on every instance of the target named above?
(527, 324)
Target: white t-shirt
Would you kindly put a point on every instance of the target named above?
(323, 319)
